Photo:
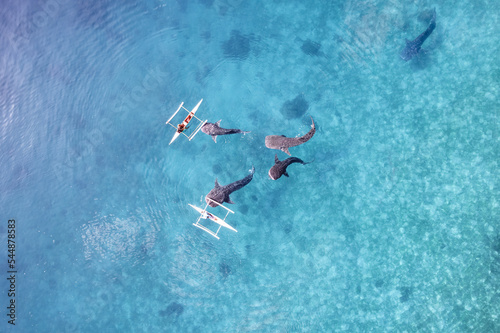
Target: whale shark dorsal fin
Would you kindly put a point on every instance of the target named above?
(215, 138)
(216, 183)
(229, 200)
(276, 159)
(286, 174)
(218, 123)
(285, 149)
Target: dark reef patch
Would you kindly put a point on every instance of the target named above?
(236, 47)
(173, 309)
(288, 228)
(244, 209)
(495, 255)
(249, 248)
(495, 244)
(379, 283)
(405, 294)
(224, 269)
(216, 169)
(310, 47)
(294, 108)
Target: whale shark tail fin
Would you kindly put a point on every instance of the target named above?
(432, 24)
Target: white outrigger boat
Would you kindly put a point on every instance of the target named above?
(183, 126)
(204, 214)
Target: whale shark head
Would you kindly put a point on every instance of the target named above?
(277, 170)
(212, 129)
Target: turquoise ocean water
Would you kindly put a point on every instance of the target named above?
(394, 227)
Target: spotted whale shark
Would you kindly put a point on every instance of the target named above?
(279, 167)
(214, 129)
(413, 47)
(221, 194)
(281, 142)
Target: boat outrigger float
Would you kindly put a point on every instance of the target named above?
(204, 214)
(183, 126)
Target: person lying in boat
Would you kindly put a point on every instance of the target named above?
(181, 128)
(207, 215)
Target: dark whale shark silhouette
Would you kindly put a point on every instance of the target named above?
(215, 129)
(413, 47)
(279, 167)
(283, 143)
(221, 194)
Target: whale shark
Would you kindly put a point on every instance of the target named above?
(215, 129)
(281, 142)
(279, 167)
(221, 194)
(413, 47)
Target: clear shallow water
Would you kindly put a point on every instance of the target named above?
(394, 227)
